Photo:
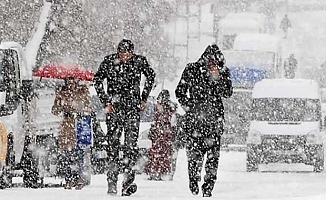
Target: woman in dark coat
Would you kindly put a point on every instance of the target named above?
(162, 137)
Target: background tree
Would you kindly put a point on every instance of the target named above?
(82, 32)
(18, 19)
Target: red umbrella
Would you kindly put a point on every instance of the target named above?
(63, 71)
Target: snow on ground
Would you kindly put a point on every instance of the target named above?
(234, 183)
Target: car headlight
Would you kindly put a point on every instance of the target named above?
(254, 137)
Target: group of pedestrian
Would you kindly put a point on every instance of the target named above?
(200, 91)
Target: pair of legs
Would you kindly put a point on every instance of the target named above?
(117, 123)
(80, 167)
(195, 156)
(203, 139)
(72, 167)
(285, 32)
(66, 160)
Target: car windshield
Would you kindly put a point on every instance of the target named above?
(286, 109)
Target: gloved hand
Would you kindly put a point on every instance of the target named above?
(179, 145)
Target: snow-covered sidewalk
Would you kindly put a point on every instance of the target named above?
(234, 183)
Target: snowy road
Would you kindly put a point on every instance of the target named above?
(234, 183)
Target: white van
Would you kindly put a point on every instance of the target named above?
(286, 124)
(255, 57)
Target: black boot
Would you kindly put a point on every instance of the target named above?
(193, 186)
(2, 182)
(207, 188)
(128, 185)
(112, 188)
(128, 189)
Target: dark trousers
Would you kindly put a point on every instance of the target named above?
(196, 153)
(71, 164)
(80, 162)
(203, 138)
(29, 165)
(67, 158)
(127, 122)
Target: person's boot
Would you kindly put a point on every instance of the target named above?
(2, 182)
(128, 189)
(207, 188)
(79, 184)
(128, 185)
(112, 188)
(193, 186)
(68, 185)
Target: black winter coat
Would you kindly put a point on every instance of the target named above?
(123, 80)
(199, 93)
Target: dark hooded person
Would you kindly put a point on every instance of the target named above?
(200, 91)
(123, 101)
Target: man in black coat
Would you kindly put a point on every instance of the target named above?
(200, 92)
(123, 101)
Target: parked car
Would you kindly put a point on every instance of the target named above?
(286, 124)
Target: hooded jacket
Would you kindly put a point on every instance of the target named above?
(198, 90)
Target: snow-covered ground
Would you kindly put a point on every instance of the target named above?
(234, 183)
(274, 182)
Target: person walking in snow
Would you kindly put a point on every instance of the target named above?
(285, 25)
(71, 102)
(123, 101)
(162, 137)
(200, 91)
(290, 66)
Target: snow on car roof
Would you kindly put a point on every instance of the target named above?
(286, 88)
(257, 42)
(9, 45)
